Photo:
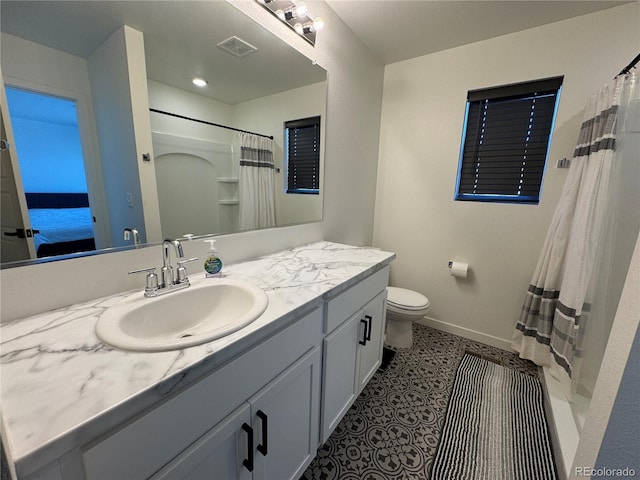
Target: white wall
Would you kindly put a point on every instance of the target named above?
(139, 94)
(188, 159)
(109, 71)
(351, 151)
(422, 119)
(174, 100)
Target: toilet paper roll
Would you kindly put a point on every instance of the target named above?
(459, 269)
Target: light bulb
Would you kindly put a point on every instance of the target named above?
(318, 23)
(281, 15)
(301, 9)
(298, 28)
(199, 82)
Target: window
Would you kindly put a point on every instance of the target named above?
(302, 144)
(505, 141)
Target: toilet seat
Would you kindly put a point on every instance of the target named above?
(402, 300)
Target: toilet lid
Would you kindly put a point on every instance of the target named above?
(406, 299)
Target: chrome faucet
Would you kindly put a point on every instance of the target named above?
(166, 272)
(168, 281)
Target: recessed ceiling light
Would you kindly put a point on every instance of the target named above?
(199, 82)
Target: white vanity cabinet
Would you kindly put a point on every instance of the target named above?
(270, 436)
(254, 418)
(257, 412)
(353, 346)
(370, 344)
(287, 430)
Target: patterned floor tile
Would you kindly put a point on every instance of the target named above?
(393, 429)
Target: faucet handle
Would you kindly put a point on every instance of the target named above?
(151, 283)
(182, 271)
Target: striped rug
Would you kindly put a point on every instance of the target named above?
(495, 428)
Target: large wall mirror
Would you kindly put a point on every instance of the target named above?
(111, 141)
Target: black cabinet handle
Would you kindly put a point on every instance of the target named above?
(262, 447)
(248, 462)
(370, 322)
(364, 341)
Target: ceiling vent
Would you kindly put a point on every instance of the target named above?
(237, 47)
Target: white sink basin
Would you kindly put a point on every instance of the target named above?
(198, 314)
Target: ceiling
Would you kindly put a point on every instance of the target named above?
(396, 30)
(181, 36)
(180, 40)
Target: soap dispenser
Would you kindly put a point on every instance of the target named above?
(213, 263)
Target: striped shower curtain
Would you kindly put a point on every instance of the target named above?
(547, 330)
(256, 183)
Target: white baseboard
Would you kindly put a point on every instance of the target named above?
(467, 333)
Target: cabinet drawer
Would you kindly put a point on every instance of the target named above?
(145, 445)
(347, 303)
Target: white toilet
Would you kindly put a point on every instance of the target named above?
(403, 307)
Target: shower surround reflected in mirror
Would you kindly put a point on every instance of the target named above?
(189, 185)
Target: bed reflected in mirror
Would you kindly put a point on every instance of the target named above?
(49, 151)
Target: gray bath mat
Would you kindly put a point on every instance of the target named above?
(495, 427)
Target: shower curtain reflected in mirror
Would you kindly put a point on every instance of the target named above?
(256, 183)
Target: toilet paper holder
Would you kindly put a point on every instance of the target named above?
(458, 269)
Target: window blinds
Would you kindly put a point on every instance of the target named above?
(303, 155)
(506, 141)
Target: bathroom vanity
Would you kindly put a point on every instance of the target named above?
(251, 405)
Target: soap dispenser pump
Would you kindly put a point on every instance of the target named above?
(213, 263)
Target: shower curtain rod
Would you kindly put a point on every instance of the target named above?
(209, 123)
(633, 63)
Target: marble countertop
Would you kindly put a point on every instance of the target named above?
(61, 386)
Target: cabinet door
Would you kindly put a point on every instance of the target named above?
(370, 354)
(285, 417)
(218, 454)
(339, 373)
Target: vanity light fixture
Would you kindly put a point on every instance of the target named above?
(296, 16)
(296, 11)
(306, 28)
(199, 82)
